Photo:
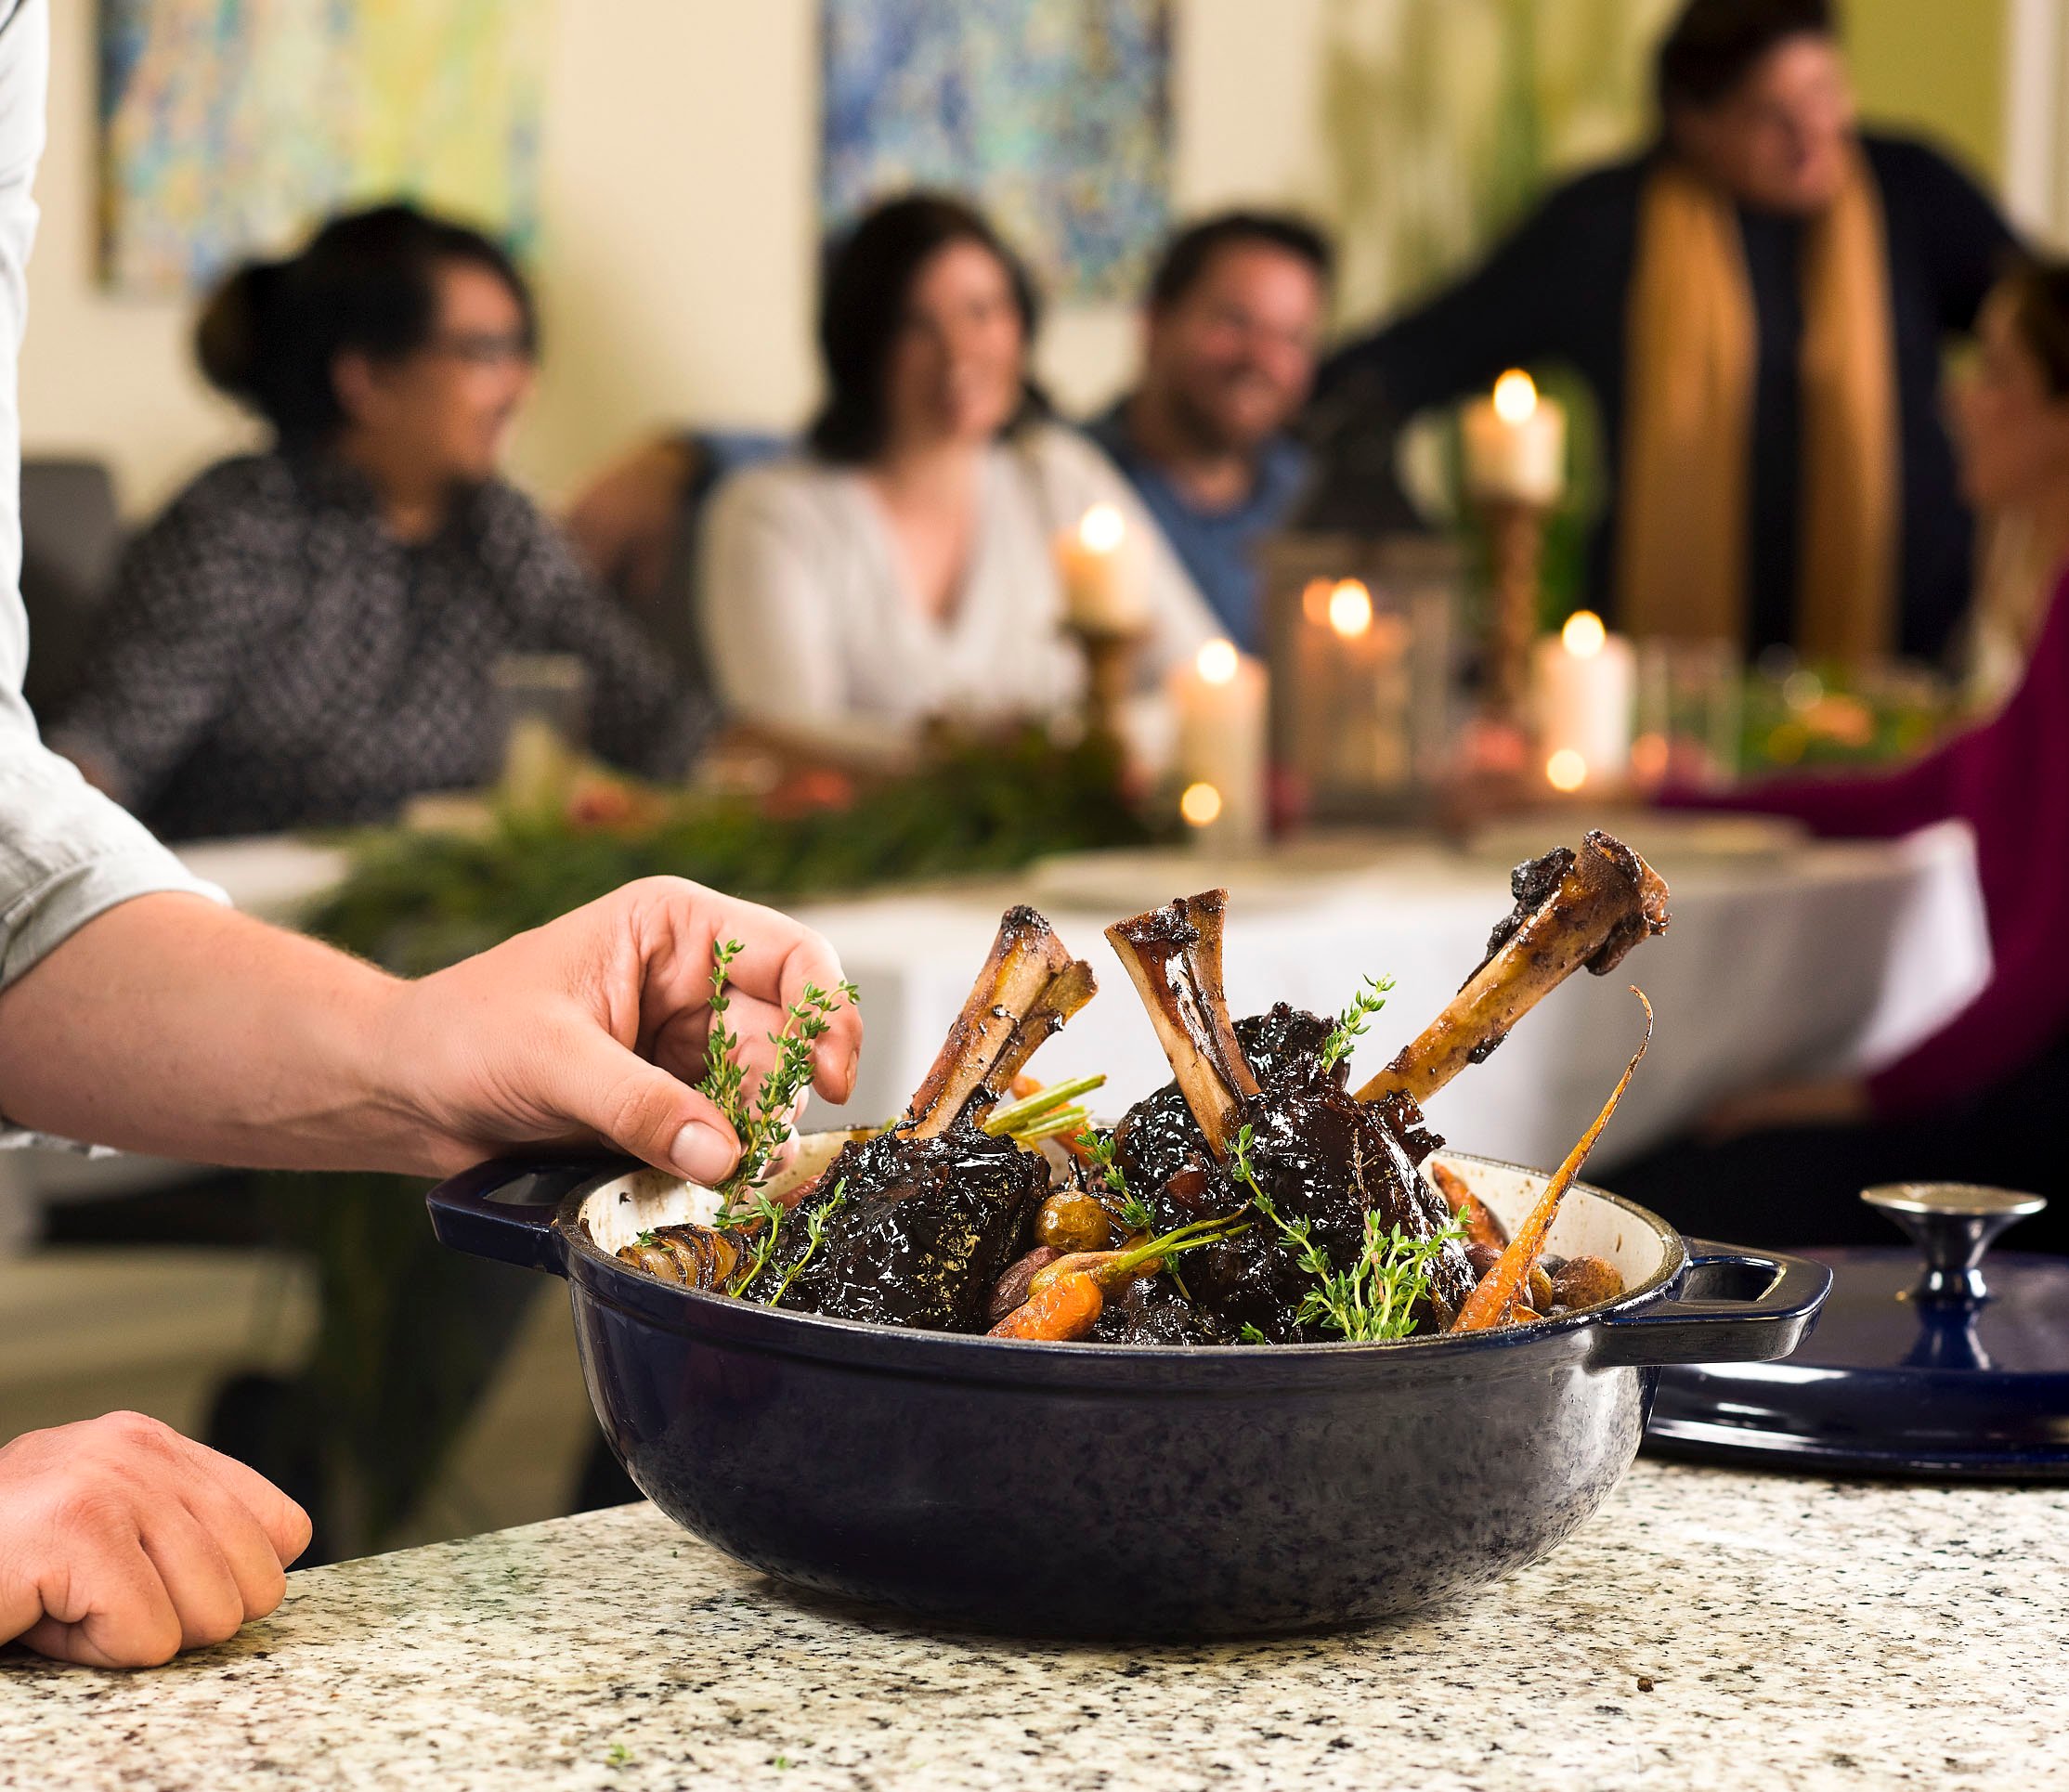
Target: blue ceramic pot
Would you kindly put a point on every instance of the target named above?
(1092, 1491)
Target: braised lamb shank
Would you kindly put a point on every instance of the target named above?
(1251, 1108)
(932, 1212)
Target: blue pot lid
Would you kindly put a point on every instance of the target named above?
(1922, 1362)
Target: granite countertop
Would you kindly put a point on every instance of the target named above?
(1705, 1628)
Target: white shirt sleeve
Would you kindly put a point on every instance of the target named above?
(66, 852)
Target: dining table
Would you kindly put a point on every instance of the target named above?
(1705, 1628)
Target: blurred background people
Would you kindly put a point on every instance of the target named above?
(1758, 303)
(904, 568)
(1979, 1101)
(1231, 329)
(309, 635)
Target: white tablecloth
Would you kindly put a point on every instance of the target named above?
(1812, 961)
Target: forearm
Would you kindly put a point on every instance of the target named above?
(171, 1025)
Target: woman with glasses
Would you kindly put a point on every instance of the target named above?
(308, 635)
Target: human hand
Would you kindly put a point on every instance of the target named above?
(593, 1027)
(624, 523)
(123, 1542)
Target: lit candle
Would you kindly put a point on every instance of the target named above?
(1219, 699)
(1584, 685)
(1515, 445)
(1100, 573)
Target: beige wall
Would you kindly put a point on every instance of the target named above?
(679, 225)
(678, 172)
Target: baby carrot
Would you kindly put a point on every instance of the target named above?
(1114, 1270)
(1066, 1309)
(1492, 1303)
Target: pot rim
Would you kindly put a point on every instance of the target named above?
(752, 1325)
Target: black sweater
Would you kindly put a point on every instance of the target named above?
(1559, 291)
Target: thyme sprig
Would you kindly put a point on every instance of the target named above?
(1098, 1147)
(1373, 1301)
(1351, 1024)
(756, 1209)
(762, 1125)
(814, 1235)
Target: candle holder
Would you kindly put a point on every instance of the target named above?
(1364, 686)
(1515, 567)
(1110, 657)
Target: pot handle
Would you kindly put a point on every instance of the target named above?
(1735, 1306)
(505, 1208)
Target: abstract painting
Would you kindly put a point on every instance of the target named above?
(227, 126)
(1053, 115)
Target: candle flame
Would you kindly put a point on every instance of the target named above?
(1350, 609)
(1201, 805)
(1216, 662)
(1515, 396)
(1101, 529)
(1566, 770)
(1314, 601)
(1583, 634)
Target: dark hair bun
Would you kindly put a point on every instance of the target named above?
(366, 283)
(230, 338)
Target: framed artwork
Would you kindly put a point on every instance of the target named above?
(227, 126)
(1052, 115)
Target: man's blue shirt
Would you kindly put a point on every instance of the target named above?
(1217, 547)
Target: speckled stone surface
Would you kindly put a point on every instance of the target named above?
(1705, 1628)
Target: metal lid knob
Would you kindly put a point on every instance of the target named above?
(1953, 1224)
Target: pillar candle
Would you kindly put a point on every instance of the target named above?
(1220, 700)
(1515, 445)
(1584, 684)
(1101, 573)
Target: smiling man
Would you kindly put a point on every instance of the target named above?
(1760, 303)
(1230, 331)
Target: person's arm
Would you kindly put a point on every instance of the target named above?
(639, 716)
(624, 523)
(172, 1025)
(190, 594)
(1508, 312)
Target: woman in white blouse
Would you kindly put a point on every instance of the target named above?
(903, 570)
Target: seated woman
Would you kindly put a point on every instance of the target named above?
(309, 635)
(905, 569)
(1980, 1101)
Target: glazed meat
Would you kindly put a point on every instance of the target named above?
(1325, 1158)
(925, 1228)
(931, 1213)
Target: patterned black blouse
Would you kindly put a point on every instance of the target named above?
(272, 657)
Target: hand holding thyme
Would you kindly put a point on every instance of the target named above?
(763, 1124)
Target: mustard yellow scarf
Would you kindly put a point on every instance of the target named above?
(1681, 548)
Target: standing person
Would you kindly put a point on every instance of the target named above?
(1760, 303)
(1230, 331)
(309, 636)
(137, 1011)
(905, 568)
(1979, 1101)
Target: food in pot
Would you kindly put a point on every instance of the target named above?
(1254, 1199)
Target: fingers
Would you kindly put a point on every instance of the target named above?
(641, 1108)
(779, 958)
(281, 1522)
(123, 1542)
(107, 1605)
